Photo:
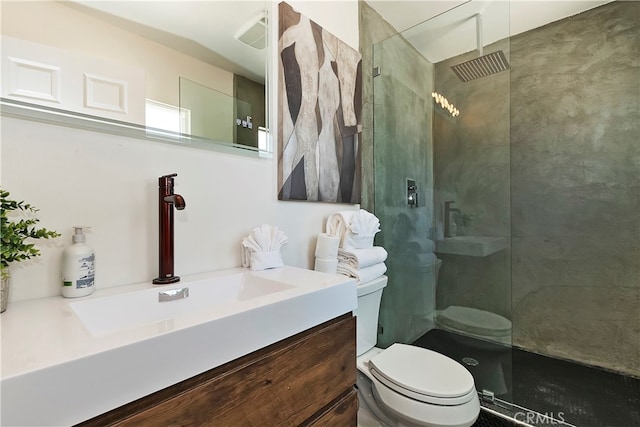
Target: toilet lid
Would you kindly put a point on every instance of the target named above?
(415, 371)
(474, 321)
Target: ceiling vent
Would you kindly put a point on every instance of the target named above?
(254, 32)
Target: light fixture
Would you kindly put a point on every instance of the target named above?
(445, 104)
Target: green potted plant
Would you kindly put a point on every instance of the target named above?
(15, 239)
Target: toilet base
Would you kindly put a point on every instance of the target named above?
(369, 412)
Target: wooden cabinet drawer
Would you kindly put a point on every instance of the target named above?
(344, 413)
(287, 384)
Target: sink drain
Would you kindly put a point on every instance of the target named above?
(470, 361)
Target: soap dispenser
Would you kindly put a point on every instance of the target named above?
(78, 267)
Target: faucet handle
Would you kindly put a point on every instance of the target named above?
(166, 180)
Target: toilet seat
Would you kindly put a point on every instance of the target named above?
(474, 322)
(423, 375)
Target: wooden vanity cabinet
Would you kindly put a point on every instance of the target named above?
(305, 380)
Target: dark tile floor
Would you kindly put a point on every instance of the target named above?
(487, 419)
(571, 393)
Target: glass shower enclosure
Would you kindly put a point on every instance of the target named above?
(442, 189)
(507, 183)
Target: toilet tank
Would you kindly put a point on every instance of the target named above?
(369, 296)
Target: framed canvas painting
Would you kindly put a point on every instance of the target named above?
(319, 113)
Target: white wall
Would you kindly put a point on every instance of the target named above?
(108, 182)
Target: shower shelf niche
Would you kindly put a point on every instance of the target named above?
(479, 246)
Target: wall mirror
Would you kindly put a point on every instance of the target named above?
(188, 72)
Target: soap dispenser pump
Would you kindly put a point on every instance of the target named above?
(78, 267)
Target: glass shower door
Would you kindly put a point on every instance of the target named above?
(403, 176)
(448, 136)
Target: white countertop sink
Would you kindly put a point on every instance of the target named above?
(480, 246)
(112, 313)
(67, 360)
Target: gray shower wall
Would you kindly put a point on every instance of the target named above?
(575, 148)
(572, 168)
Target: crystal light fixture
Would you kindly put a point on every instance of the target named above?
(445, 104)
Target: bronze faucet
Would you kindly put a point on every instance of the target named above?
(166, 201)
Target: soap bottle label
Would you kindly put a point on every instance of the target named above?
(87, 272)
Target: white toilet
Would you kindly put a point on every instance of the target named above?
(405, 385)
(491, 343)
(475, 323)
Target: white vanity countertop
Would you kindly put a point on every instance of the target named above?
(56, 372)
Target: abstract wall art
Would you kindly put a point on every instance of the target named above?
(319, 113)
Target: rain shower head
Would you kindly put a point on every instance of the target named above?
(484, 65)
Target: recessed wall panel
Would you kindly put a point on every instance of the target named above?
(34, 80)
(104, 93)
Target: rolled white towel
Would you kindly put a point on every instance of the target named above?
(360, 258)
(261, 249)
(338, 223)
(362, 275)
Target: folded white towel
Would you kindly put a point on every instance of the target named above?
(360, 258)
(357, 241)
(364, 223)
(261, 249)
(362, 275)
(356, 229)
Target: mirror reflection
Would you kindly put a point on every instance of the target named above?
(175, 67)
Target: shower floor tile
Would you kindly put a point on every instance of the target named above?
(579, 395)
(487, 419)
